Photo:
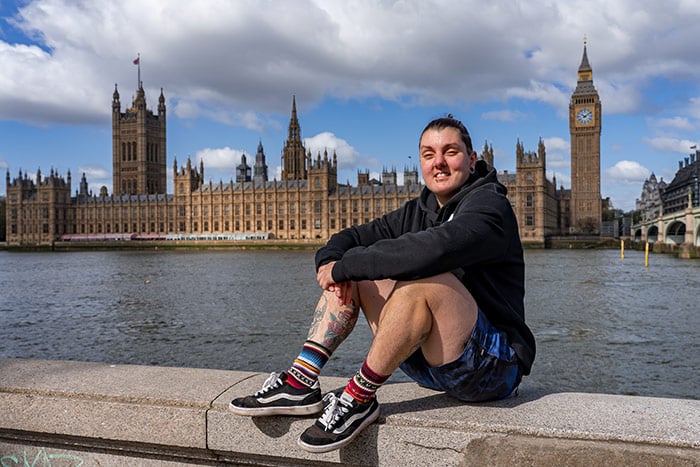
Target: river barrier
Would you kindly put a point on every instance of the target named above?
(85, 414)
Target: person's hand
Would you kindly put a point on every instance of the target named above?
(343, 290)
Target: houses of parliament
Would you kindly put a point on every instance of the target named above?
(306, 203)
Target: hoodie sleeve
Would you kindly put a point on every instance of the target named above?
(389, 226)
(479, 231)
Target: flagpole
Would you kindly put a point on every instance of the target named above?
(139, 59)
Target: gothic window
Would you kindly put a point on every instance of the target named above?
(528, 200)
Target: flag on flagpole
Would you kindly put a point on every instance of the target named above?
(693, 146)
(137, 62)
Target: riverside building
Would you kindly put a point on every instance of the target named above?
(306, 203)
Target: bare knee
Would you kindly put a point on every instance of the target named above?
(372, 297)
(452, 309)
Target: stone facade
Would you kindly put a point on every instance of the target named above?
(535, 199)
(684, 190)
(649, 204)
(585, 123)
(306, 203)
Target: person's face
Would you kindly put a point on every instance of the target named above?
(444, 162)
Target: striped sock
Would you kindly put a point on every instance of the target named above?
(365, 383)
(307, 366)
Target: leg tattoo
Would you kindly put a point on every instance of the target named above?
(338, 325)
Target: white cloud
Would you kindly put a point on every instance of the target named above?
(232, 62)
(558, 155)
(678, 123)
(556, 144)
(326, 141)
(667, 144)
(628, 172)
(222, 159)
(95, 173)
(503, 115)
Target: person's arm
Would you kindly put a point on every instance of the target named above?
(480, 232)
(388, 226)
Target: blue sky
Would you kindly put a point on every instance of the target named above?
(367, 76)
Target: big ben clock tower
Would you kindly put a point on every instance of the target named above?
(585, 125)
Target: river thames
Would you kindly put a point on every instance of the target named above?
(603, 324)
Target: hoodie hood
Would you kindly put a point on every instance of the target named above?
(483, 175)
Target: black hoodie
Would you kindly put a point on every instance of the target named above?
(474, 235)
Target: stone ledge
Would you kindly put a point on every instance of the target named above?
(108, 414)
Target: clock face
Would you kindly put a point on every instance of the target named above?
(584, 116)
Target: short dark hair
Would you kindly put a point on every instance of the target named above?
(450, 122)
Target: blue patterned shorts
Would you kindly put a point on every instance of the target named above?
(487, 369)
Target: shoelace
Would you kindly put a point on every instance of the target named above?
(273, 381)
(335, 408)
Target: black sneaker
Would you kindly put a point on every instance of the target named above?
(277, 397)
(342, 420)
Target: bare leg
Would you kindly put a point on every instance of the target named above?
(436, 314)
(332, 322)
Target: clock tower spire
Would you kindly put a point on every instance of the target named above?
(585, 127)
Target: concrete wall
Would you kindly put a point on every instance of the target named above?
(75, 413)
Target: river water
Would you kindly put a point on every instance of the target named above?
(603, 324)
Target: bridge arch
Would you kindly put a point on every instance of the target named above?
(652, 234)
(638, 235)
(675, 233)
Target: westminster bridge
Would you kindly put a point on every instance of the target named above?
(676, 228)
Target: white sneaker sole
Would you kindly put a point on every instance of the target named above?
(310, 409)
(342, 443)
